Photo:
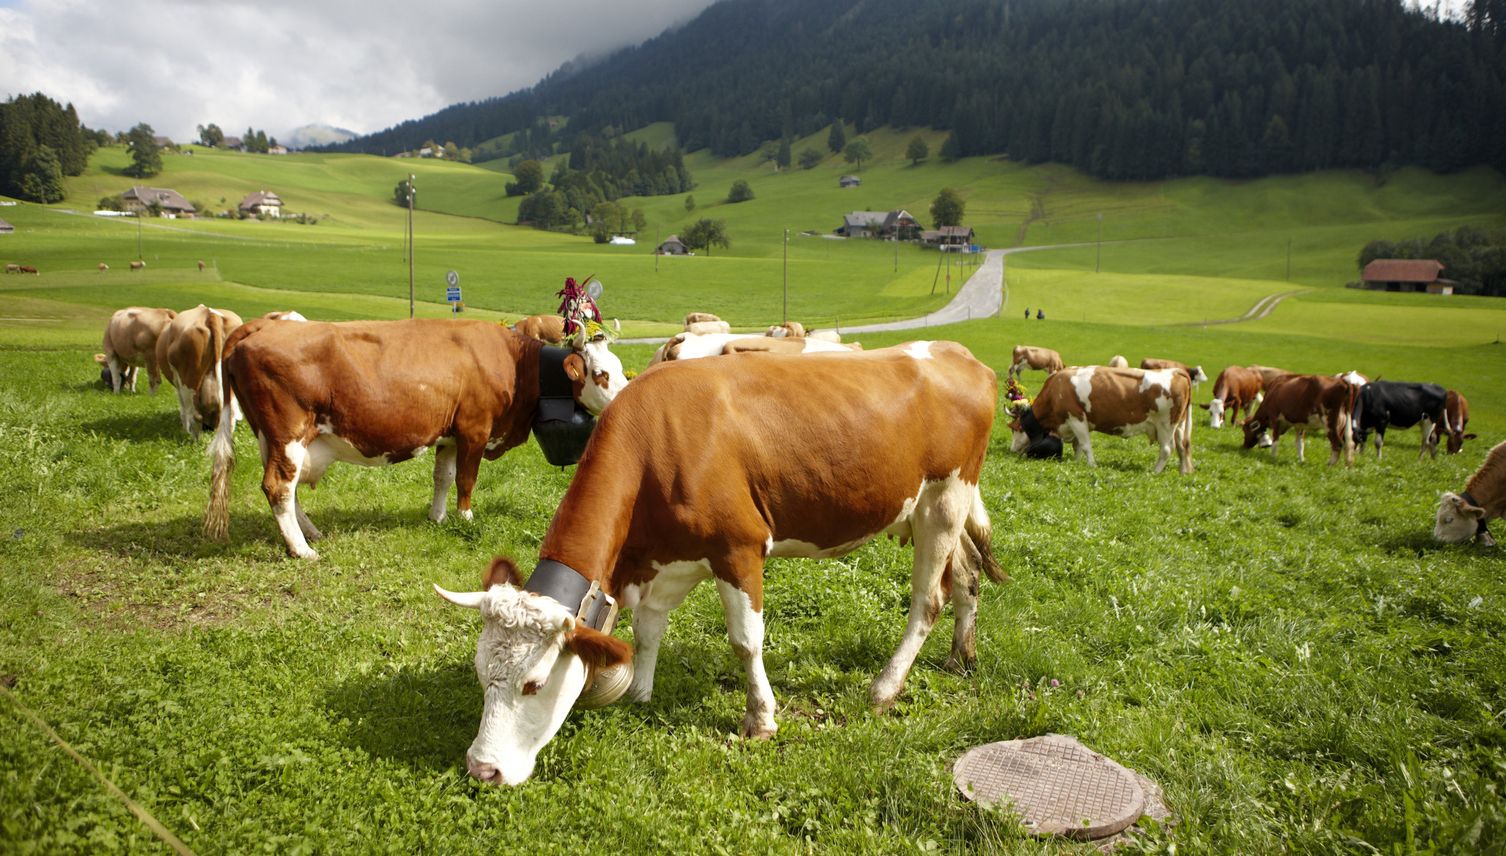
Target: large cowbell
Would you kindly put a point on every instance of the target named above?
(561, 425)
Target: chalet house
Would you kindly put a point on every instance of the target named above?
(6, 228)
(262, 203)
(849, 181)
(673, 246)
(890, 225)
(234, 144)
(1406, 275)
(139, 200)
(948, 237)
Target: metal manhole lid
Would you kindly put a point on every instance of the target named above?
(1056, 785)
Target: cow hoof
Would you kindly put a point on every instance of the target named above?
(881, 700)
(754, 730)
(960, 665)
(467, 515)
(437, 518)
(310, 555)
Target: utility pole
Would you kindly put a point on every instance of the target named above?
(786, 276)
(411, 191)
(1098, 255)
(138, 233)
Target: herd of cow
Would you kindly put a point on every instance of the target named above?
(700, 468)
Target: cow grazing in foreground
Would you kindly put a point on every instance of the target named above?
(1303, 402)
(1029, 356)
(549, 329)
(1455, 421)
(1074, 402)
(138, 265)
(1194, 373)
(1118, 361)
(130, 342)
(381, 392)
(1236, 390)
(1383, 404)
(705, 470)
(1462, 516)
(189, 352)
(691, 346)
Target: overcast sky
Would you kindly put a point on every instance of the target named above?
(280, 64)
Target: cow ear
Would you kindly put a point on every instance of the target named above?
(501, 571)
(575, 368)
(596, 649)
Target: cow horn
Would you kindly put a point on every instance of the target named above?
(469, 600)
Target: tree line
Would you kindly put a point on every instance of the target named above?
(1123, 89)
(40, 142)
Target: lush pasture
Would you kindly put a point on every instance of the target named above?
(1281, 646)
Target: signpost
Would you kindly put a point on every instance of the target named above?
(452, 292)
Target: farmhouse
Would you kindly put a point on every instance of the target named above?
(1406, 275)
(672, 246)
(6, 228)
(262, 203)
(892, 225)
(139, 200)
(948, 237)
(234, 144)
(849, 181)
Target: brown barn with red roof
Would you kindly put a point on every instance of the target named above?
(1406, 275)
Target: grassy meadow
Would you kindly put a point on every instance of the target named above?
(1281, 646)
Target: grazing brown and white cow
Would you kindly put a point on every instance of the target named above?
(1303, 402)
(703, 471)
(1237, 389)
(1118, 361)
(103, 267)
(1194, 373)
(189, 352)
(692, 346)
(1462, 516)
(381, 392)
(131, 341)
(1456, 420)
(1076, 401)
(138, 265)
(29, 269)
(12, 267)
(549, 329)
(1029, 356)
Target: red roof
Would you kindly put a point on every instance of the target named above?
(1402, 270)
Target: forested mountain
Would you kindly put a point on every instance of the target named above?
(1124, 89)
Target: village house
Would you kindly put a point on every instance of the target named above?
(6, 228)
(849, 181)
(891, 225)
(139, 200)
(672, 246)
(262, 203)
(1406, 275)
(948, 238)
(234, 144)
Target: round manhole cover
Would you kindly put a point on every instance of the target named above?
(1056, 785)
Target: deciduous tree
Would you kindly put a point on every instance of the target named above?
(146, 157)
(917, 150)
(857, 151)
(947, 208)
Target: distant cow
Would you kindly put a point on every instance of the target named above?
(791, 329)
(1118, 361)
(1236, 390)
(103, 267)
(1462, 516)
(549, 329)
(708, 328)
(1386, 404)
(1194, 373)
(12, 268)
(706, 470)
(1303, 402)
(1123, 402)
(381, 392)
(691, 346)
(189, 352)
(1456, 419)
(1041, 359)
(29, 269)
(201, 265)
(131, 341)
(138, 265)
(697, 317)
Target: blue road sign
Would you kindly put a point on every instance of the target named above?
(452, 294)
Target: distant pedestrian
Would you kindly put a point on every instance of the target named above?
(1027, 313)
(1040, 315)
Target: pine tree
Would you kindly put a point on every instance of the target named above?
(836, 141)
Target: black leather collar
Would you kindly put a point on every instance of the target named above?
(592, 606)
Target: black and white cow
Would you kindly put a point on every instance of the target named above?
(1383, 404)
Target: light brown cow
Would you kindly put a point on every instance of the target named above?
(702, 471)
(790, 329)
(103, 267)
(1041, 359)
(1237, 389)
(708, 328)
(138, 265)
(691, 346)
(11, 267)
(1303, 402)
(201, 265)
(1194, 373)
(285, 315)
(1462, 516)
(1118, 361)
(698, 317)
(827, 335)
(549, 329)
(189, 352)
(131, 341)
(1456, 420)
(1074, 402)
(1268, 375)
(380, 392)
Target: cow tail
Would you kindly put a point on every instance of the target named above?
(221, 458)
(978, 548)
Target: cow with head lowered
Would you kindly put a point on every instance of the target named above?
(1383, 404)
(1076, 401)
(702, 470)
(1462, 516)
(130, 343)
(1236, 390)
(189, 352)
(1452, 431)
(1302, 403)
(381, 392)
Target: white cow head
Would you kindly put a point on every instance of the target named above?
(1458, 519)
(595, 371)
(1216, 413)
(533, 661)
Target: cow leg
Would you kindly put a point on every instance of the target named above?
(280, 484)
(1301, 435)
(1429, 442)
(131, 372)
(467, 466)
(117, 374)
(962, 572)
(745, 631)
(1183, 441)
(651, 617)
(444, 476)
(1380, 442)
(937, 525)
(185, 411)
(1082, 440)
(1164, 438)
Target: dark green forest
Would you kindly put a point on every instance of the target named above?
(40, 142)
(1122, 89)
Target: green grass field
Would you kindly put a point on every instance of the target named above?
(1281, 647)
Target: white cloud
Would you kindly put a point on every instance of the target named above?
(279, 64)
